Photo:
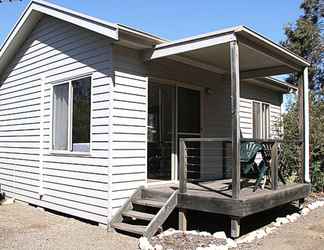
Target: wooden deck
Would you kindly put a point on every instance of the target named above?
(216, 197)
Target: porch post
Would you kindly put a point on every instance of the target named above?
(182, 215)
(304, 123)
(235, 96)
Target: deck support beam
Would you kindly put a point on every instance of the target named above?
(182, 219)
(301, 203)
(235, 97)
(235, 227)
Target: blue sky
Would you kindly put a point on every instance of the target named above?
(174, 19)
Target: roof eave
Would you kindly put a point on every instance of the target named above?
(249, 33)
(273, 83)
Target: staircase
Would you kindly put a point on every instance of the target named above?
(144, 212)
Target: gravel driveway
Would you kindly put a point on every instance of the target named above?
(26, 227)
(307, 233)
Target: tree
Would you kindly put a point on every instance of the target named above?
(291, 151)
(305, 38)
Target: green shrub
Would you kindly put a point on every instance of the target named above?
(287, 129)
(317, 177)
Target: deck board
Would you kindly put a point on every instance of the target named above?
(216, 197)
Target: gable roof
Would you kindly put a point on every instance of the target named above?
(37, 8)
(117, 32)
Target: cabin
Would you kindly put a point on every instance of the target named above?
(120, 127)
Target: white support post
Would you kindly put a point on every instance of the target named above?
(306, 126)
(235, 95)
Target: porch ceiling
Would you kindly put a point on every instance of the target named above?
(258, 56)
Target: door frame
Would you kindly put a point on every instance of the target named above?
(174, 156)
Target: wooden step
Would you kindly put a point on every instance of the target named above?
(148, 203)
(155, 194)
(135, 229)
(138, 215)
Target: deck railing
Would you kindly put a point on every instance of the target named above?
(189, 158)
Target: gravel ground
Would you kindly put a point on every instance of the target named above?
(306, 233)
(26, 227)
(182, 241)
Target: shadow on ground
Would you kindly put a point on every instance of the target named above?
(209, 222)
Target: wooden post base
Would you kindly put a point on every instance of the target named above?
(182, 219)
(301, 204)
(235, 227)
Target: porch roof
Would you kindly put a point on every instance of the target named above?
(258, 57)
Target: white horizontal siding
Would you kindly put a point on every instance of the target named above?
(275, 117)
(246, 118)
(76, 185)
(128, 136)
(216, 124)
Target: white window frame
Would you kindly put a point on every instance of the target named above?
(260, 122)
(70, 116)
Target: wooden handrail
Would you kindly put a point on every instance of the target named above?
(229, 140)
(297, 141)
(207, 139)
(183, 166)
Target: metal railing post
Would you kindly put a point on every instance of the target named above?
(183, 167)
(182, 183)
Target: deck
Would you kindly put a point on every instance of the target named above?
(216, 196)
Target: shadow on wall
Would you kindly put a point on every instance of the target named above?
(2, 195)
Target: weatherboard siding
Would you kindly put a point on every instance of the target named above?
(246, 118)
(73, 184)
(129, 146)
(129, 119)
(275, 118)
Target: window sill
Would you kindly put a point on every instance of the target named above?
(69, 153)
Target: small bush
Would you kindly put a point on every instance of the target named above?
(287, 129)
(317, 176)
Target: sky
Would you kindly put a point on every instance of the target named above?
(174, 19)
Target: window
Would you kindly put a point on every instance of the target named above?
(261, 120)
(71, 115)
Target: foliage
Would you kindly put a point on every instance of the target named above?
(317, 177)
(291, 150)
(305, 38)
(287, 129)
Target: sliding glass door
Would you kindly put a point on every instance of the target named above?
(189, 125)
(160, 131)
(173, 113)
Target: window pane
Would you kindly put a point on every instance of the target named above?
(188, 110)
(265, 121)
(61, 114)
(256, 120)
(81, 114)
